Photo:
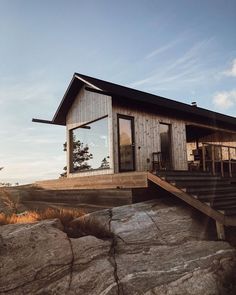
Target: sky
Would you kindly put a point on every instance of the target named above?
(183, 50)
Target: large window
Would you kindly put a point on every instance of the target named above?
(90, 146)
(165, 138)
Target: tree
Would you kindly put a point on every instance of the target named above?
(80, 156)
(105, 163)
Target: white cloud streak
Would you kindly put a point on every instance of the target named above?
(225, 99)
(26, 91)
(232, 71)
(161, 49)
(187, 68)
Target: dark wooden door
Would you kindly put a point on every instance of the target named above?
(126, 146)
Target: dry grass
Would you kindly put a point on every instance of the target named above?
(11, 203)
(65, 216)
(75, 225)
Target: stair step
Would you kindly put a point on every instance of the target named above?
(217, 192)
(191, 178)
(190, 183)
(223, 204)
(181, 172)
(230, 212)
(205, 198)
(204, 190)
(225, 207)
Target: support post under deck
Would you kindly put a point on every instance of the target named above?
(220, 231)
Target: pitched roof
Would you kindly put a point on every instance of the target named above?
(129, 95)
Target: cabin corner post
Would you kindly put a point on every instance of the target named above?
(69, 150)
(111, 137)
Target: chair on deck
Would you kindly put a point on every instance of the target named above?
(157, 163)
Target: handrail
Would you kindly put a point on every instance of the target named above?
(220, 159)
(221, 145)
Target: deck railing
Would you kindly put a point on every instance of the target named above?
(219, 159)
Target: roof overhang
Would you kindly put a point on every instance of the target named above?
(128, 96)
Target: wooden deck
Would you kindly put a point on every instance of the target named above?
(109, 181)
(212, 195)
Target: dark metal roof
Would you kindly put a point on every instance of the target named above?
(146, 100)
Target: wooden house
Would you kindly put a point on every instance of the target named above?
(125, 135)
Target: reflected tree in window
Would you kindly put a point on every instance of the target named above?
(105, 163)
(90, 150)
(80, 156)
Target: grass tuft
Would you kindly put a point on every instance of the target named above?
(65, 216)
(73, 220)
(10, 202)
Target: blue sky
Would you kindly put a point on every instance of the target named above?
(184, 50)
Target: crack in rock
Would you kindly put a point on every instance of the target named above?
(71, 262)
(156, 226)
(112, 254)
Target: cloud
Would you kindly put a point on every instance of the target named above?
(26, 91)
(232, 71)
(30, 168)
(161, 49)
(190, 67)
(225, 99)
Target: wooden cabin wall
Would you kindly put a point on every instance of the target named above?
(147, 138)
(89, 106)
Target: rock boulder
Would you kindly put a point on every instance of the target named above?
(158, 248)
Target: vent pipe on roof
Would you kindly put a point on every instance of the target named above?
(194, 104)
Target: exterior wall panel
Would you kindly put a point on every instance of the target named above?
(147, 138)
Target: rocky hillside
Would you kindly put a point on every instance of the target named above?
(158, 248)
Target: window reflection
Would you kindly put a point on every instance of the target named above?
(165, 138)
(126, 147)
(90, 146)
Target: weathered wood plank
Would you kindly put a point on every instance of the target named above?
(124, 180)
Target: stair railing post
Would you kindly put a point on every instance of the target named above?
(221, 162)
(203, 157)
(213, 159)
(229, 160)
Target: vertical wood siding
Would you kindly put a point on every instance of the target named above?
(147, 138)
(88, 106)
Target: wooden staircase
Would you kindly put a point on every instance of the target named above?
(213, 195)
